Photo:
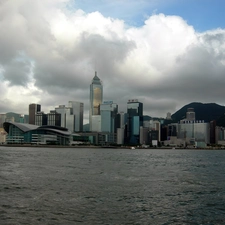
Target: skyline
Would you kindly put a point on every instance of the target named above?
(164, 53)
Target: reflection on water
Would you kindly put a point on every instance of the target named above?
(111, 186)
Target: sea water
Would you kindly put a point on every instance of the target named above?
(111, 186)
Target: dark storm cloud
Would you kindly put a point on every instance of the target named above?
(101, 54)
(164, 64)
(17, 72)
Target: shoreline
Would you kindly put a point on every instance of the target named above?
(109, 147)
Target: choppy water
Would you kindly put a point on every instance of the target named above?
(111, 186)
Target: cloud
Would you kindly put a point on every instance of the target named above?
(48, 55)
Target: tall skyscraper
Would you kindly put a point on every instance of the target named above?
(108, 116)
(78, 112)
(72, 116)
(135, 120)
(96, 96)
(33, 109)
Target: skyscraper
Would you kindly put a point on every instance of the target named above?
(33, 109)
(96, 96)
(135, 120)
(108, 116)
(72, 116)
(78, 112)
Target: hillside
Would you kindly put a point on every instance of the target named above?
(203, 111)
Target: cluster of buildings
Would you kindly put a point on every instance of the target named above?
(107, 126)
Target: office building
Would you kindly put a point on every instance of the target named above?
(96, 96)
(71, 116)
(121, 120)
(135, 121)
(33, 109)
(155, 125)
(96, 123)
(54, 118)
(41, 119)
(108, 111)
(194, 131)
(67, 117)
(78, 112)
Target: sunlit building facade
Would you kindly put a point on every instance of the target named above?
(96, 97)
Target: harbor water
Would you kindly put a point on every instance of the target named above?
(111, 186)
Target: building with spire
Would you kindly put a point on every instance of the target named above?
(96, 96)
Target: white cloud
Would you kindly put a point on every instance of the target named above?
(48, 55)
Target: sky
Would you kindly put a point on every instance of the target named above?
(165, 53)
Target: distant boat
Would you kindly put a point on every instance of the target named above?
(132, 148)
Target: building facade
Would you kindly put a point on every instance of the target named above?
(108, 111)
(67, 117)
(41, 118)
(21, 133)
(54, 118)
(96, 97)
(33, 109)
(78, 112)
(135, 121)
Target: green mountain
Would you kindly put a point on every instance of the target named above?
(17, 117)
(221, 121)
(203, 111)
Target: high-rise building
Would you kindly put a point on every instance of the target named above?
(78, 112)
(108, 112)
(135, 120)
(54, 118)
(96, 96)
(72, 116)
(155, 125)
(33, 109)
(67, 117)
(41, 119)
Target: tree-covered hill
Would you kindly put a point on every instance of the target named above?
(203, 111)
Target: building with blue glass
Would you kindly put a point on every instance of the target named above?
(134, 121)
(108, 111)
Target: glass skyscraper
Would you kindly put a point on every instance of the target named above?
(108, 111)
(72, 116)
(78, 112)
(135, 120)
(96, 96)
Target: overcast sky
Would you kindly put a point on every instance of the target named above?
(165, 53)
